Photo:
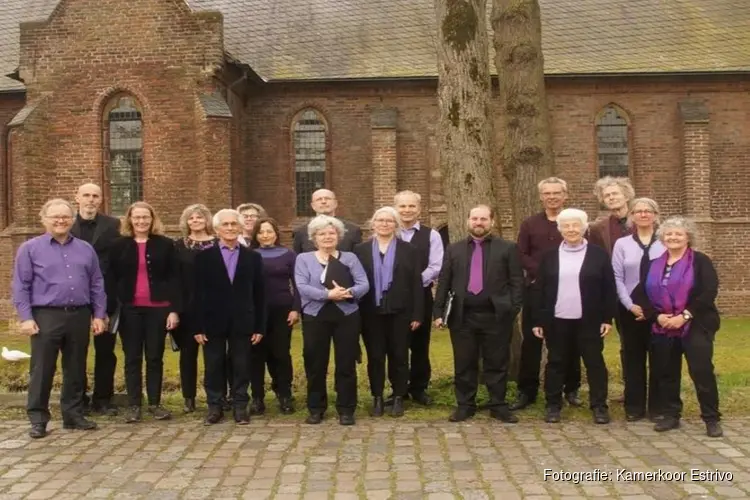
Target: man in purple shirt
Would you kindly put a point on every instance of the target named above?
(57, 288)
(230, 308)
(430, 249)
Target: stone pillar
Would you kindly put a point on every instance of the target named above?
(696, 169)
(384, 156)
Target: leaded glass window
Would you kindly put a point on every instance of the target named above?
(612, 143)
(125, 158)
(309, 158)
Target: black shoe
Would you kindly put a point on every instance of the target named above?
(573, 399)
(601, 415)
(257, 407)
(104, 408)
(79, 424)
(461, 414)
(38, 431)
(378, 407)
(86, 405)
(504, 415)
(214, 416)
(521, 402)
(159, 412)
(397, 408)
(667, 424)
(285, 405)
(422, 398)
(346, 419)
(241, 416)
(189, 405)
(314, 418)
(634, 417)
(713, 430)
(133, 415)
(552, 415)
(227, 404)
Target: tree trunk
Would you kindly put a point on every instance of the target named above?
(527, 155)
(464, 126)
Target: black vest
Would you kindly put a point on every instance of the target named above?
(421, 240)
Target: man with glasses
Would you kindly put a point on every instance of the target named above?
(324, 203)
(58, 292)
(250, 212)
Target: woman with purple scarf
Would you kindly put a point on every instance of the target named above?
(682, 286)
(392, 309)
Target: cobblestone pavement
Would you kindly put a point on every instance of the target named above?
(374, 460)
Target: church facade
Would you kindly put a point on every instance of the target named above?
(224, 102)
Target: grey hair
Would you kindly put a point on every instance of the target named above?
(252, 206)
(321, 222)
(390, 211)
(679, 222)
(622, 182)
(552, 180)
(216, 222)
(56, 201)
(573, 214)
(650, 204)
(398, 195)
(190, 210)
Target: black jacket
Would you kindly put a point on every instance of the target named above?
(106, 232)
(163, 270)
(224, 307)
(503, 280)
(352, 237)
(406, 292)
(597, 285)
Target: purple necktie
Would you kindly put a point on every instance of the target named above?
(475, 271)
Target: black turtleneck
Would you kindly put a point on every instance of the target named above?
(87, 228)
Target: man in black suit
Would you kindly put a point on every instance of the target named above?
(482, 280)
(100, 231)
(324, 202)
(230, 308)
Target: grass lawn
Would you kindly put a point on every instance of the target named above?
(731, 358)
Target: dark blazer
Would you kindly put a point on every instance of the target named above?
(596, 281)
(406, 292)
(352, 237)
(221, 304)
(702, 298)
(106, 232)
(163, 270)
(503, 280)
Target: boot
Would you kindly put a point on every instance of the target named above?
(378, 406)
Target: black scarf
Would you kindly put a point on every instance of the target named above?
(639, 292)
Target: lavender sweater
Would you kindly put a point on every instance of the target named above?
(626, 263)
(568, 305)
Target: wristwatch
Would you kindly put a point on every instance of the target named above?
(686, 314)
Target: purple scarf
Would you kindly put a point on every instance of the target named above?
(382, 268)
(670, 297)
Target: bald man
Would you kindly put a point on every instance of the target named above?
(100, 231)
(324, 202)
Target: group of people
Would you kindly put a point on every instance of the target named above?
(228, 285)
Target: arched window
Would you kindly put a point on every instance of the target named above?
(123, 130)
(612, 142)
(309, 158)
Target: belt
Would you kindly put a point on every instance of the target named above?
(62, 308)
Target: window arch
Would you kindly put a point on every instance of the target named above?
(123, 146)
(613, 152)
(309, 136)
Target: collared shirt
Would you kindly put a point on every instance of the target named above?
(230, 256)
(50, 274)
(435, 259)
(536, 235)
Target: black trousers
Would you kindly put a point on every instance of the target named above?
(105, 363)
(420, 370)
(143, 329)
(217, 358)
(481, 334)
(641, 385)
(59, 331)
(568, 335)
(698, 348)
(273, 351)
(317, 334)
(188, 360)
(387, 336)
(531, 357)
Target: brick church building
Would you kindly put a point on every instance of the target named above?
(227, 101)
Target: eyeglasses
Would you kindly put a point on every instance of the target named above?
(141, 218)
(63, 218)
(643, 212)
(384, 221)
(250, 216)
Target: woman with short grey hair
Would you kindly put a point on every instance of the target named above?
(574, 303)
(330, 284)
(682, 286)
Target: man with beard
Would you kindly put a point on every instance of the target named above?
(480, 290)
(100, 231)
